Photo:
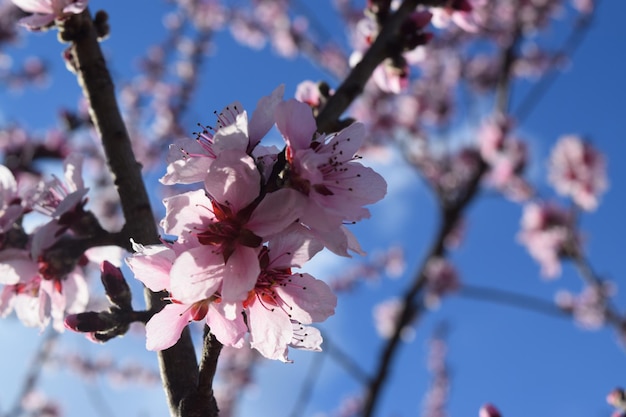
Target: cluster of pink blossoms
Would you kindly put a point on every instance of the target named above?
(260, 213)
(548, 232)
(41, 283)
(578, 171)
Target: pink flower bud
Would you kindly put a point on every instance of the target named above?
(89, 322)
(489, 410)
(115, 286)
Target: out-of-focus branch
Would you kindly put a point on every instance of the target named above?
(353, 85)
(451, 215)
(44, 351)
(541, 87)
(345, 361)
(178, 364)
(306, 391)
(512, 299)
(586, 272)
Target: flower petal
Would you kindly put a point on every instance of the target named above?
(309, 299)
(276, 212)
(228, 332)
(151, 265)
(186, 211)
(270, 330)
(164, 328)
(296, 123)
(196, 274)
(233, 180)
(241, 273)
(262, 119)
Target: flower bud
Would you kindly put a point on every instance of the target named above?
(489, 410)
(115, 286)
(90, 322)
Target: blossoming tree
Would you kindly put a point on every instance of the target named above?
(257, 196)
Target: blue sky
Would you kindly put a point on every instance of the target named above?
(526, 363)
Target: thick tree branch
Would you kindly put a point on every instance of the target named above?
(202, 402)
(178, 364)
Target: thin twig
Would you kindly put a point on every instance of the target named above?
(43, 353)
(345, 361)
(541, 87)
(512, 299)
(98, 403)
(306, 390)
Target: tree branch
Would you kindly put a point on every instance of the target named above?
(451, 215)
(178, 364)
(353, 85)
(510, 298)
(202, 402)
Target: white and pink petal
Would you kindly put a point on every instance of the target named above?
(164, 328)
(196, 274)
(308, 300)
(276, 212)
(296, 123)
(233, 180)
(270, 330)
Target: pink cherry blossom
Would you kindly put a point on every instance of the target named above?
(617, 398)
(325, 169)
(56, 198)
(189, 160)
(154, 266)
(387, 76)
(589, 308)
(282, 302)
(308, 92)
(386, 314)
(548, 233)
(578, 170)
(228, 224)
(37, 296)
(164, 329)
(47, 11)
(392, 75)
(506, 157)
(584, 6)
